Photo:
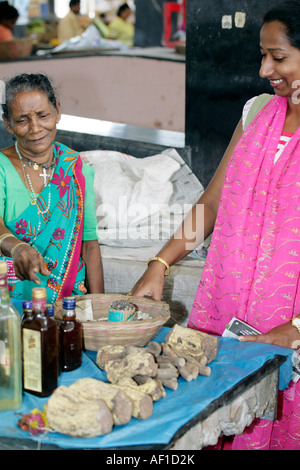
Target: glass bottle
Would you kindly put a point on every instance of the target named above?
(10, 348)
(70, 337)
(40, 348)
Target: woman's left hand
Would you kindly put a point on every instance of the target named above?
(285, 335)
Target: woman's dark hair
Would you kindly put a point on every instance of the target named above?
(72, 3)
(122, 8)
(24, 83)
(8, 12)
(287, 13)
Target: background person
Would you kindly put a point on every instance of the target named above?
(8, 19)
(120, 28)
(252, 269)
(72, 24)
(48, 226)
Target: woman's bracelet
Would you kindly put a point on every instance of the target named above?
(16, 246)
(163, 261)
(2, 238)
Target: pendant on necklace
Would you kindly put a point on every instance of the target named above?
(33, 165)
(33, 202)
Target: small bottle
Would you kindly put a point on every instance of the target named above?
(10, 348)
(40, 348)
(50, 310)
(27, 309)
(70, 337)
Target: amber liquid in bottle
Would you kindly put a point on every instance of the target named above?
(70, 337)
(40, 348)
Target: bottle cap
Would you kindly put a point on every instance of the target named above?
(69, 303)
(3, 267)
(50, 310)
(39, 293)
(27, 304)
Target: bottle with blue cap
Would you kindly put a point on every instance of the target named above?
(70, 337)
(27, 309)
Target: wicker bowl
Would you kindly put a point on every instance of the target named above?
(16, 49)
(100, 331)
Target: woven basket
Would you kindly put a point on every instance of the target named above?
(16, 49)
(138, 332)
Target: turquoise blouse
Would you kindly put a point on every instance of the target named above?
(15, 198)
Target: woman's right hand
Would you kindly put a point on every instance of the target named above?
(151, 284)
(28, 262)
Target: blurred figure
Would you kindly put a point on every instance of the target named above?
(120, 28)
(8, 19)
(73, 24)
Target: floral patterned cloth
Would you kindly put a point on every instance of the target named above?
(253, 264)
(53, 226)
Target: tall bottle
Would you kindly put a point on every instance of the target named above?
(70, 337)
(10, 348)
(40, 347)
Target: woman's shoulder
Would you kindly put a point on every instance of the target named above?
(67, 151)
(253, 106)
(5, 34)
(4, 159)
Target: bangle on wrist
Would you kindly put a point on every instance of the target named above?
(161, 260)
(2, 238)
(296, 323)
(16, 246)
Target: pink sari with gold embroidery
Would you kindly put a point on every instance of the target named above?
(253, 265)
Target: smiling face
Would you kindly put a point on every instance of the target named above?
(32, 120)
(280, 60)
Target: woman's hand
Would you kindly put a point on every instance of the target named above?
(28, 262)
(152, 282)
(285, 335)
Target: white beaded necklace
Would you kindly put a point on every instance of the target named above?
(30, 190)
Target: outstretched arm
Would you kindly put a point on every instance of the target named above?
(193, 231)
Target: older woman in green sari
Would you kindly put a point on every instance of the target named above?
(48, 227)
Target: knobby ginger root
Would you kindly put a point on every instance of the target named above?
(68, 413)
(116, 400)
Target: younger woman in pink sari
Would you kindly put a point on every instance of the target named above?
(252, 206)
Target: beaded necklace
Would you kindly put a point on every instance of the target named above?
(28, 181)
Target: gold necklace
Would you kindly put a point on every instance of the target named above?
(30, 189)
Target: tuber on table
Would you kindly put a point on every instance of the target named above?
(184, 353)
(69, 413)
(137, 377)
(117, 401)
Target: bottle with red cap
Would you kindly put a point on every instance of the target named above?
(40, 347)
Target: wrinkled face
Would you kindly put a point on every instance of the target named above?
(280, 60)
(33, 122)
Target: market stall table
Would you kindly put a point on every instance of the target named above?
(243, 385)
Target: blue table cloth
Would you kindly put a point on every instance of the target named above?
(234, 363)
